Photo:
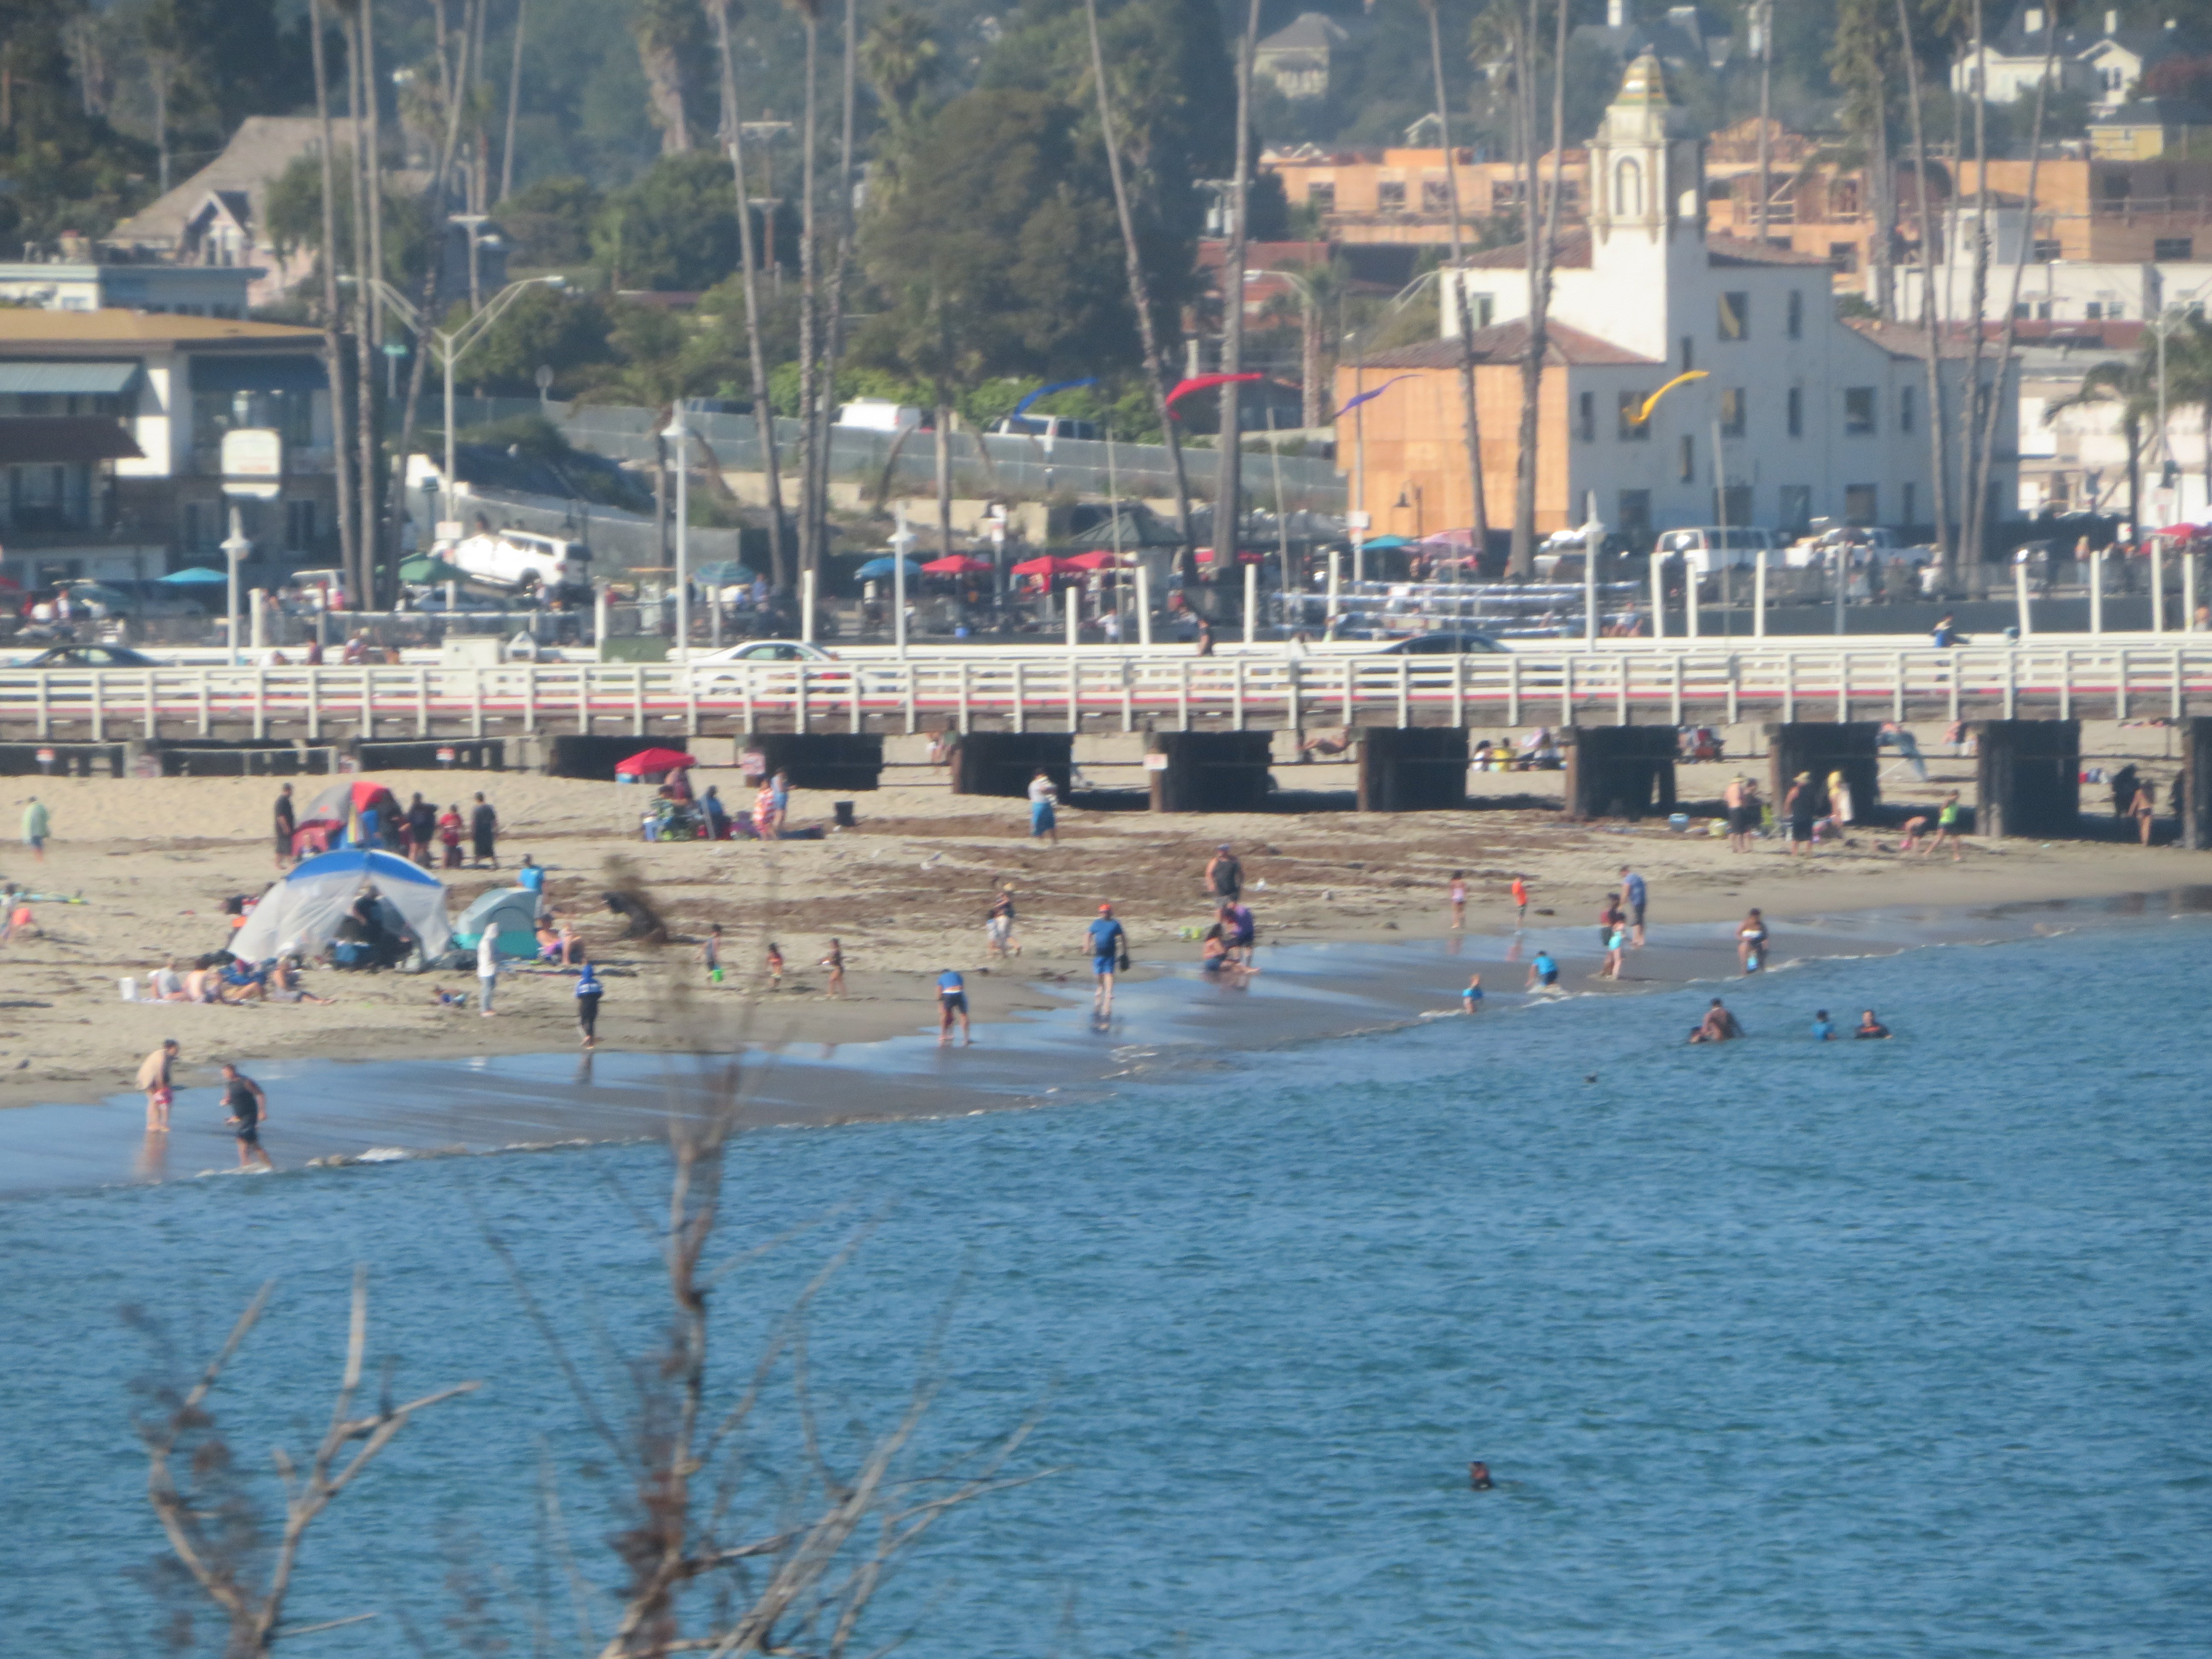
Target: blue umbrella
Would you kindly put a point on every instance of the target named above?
(722, 572)
(876, 569)
(198, 576)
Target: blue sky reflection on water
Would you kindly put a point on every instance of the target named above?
(1855, 1351)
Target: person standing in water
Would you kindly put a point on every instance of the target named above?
(1543, 973)
(1519, 900)
(1823, 1030)
(155, 1072)
(952, 1004)
(1470, 999)
(249, 1110)
(1870, 1028)
(1456, 895)
(1109, 949)
(1633, 895)
(1751, 944)
(1718, 1026)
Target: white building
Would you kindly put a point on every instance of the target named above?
(1797, 415)
(2105, 63)
(85, 285)
(2051, 290)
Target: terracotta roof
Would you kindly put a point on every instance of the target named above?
(110, 327)
(1506, 343)
(1728, 250)
(1910, 339)
(65, 439)
(1570, 253)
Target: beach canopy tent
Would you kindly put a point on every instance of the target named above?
(198, 576)
(334, 817)
(1097, 559)
(510, 914)
(1386, 543)
(302, 913)
(877, 569)
(958, 564)
(648, 762)
(1044, 565)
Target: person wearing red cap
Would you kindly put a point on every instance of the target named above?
(1109, 949)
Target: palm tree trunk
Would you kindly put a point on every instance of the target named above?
(1975, 508)
(333, 333)
(1539, 288)
(360, 583)
(833, 333)
(514, 102)
(1147, 332)
(1229, 477)
(809, 453)
(1471, 429)
(1939, 428)
(756, 347)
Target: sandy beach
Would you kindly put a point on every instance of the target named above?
(906, 892)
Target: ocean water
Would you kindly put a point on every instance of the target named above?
(1863, 1349)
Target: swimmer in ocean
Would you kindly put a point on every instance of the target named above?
(1718, 1026)
(1543, 973)
(1470, 999)
(1823, 1031)
(1871, 1028)
(1478, 1476)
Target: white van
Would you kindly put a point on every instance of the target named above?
(519, 559)
(1047, 426)
(879, 414)
(1706, 548)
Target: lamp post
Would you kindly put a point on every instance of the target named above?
(679, 436)
(236, 547)
(901, 544)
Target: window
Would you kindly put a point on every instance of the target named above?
(1689, 462)
(1632, 429)
(1912, 502)
(1321, 196)
(299, 526)
(1586, 417)
(2046, 250)
(1735, 317)
(2023, 311)
(1732, 416)
(1858, 411)
(2094, 312)
(1859, 501)
(1635, 514)
(1480, 307)
(1734, 506)
(1436, 196)
(1628, 188)
(1796, 411)
(1905, 409)
(1390, 196)
(1796, 315)
(1796, 506)
(1843, 258)
(1689, 354)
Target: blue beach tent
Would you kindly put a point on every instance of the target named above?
(301, 913)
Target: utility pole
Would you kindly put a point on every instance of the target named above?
(1762, 20)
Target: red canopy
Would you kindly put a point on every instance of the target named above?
(1043, 565)
(2180, 531)
(958, 564)
(1100, 558)
(647, 761)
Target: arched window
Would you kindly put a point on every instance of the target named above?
(1628, 189)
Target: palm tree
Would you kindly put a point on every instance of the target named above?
(1228, 511)
(900, 59)
(734, 130)
(1473, 425)
(810, 459)
(2133, 387)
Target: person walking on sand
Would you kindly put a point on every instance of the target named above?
(449, 835)
(589, 990)
(154, 1078)
(1456, 895)
(1732, 812)
(1946, 828)
(710, 954)
(1839, 801)
(423, 824)
(952, 1004)
(487, 970)
(484, 829)
(1224, 876)
(285, 823)
(1520, 901)
(38, 824)
(1797, 808)
(999, 926)
(1044, 813)
(2143, 809)
(835, 962)
(775, 966)
(249, 1110)
(1110, 951)
(1751, 944)
(1633, 895)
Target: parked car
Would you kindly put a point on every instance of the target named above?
(1047, 426)
(92, 656)
(1705, 548)
(769, 651)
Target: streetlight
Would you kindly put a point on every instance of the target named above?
(680, 435)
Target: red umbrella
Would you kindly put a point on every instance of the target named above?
(1043, 565)
(646, 761)
(2180, 531)
(958, 564)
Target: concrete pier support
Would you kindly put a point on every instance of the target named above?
(2194, 803)
(1412, 769)
(2030, 777)
(1208, 771)
(1620, 771)
(1851, 747)
(1003, 762)
(572, 755)
(822, 760)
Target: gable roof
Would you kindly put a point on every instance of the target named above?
(258, 153)
(1507, 342)
(1910, 339)
(1730, 251)
(1309, 31)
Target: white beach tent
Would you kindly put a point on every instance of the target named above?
(302, 912)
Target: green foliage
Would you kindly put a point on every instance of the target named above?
(532, 436)
(674, 229)
(549, 224)
(1848, 306)
(67, 171)
(295, 218)
(997, 253)
(559, 329)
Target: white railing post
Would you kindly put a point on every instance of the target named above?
(2096, 590)
(1758, 598)
(2158, 585)
(1251, 603)
(805, 606)
(1143, 605)
(1658, 596)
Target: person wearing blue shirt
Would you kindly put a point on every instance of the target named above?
(1945, 634)
(1109, 949)
(952, 1004)
(532, 876)
(1470, 999)
(588, 993)
(1543, 973)
(1822, 1030)
(1632, 897)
